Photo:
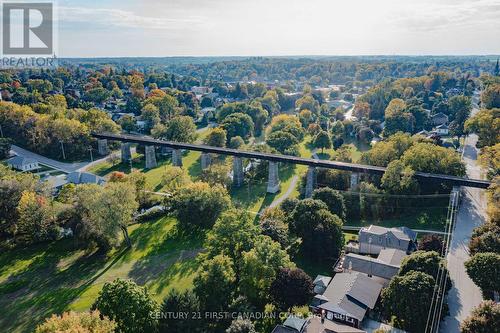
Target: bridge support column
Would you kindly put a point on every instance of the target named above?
(273, 183)
(206, 160)
(310, 182)
(126, 153)
(237, 171)
(150, 157)
(177, 158)
(354, 181)
(102, 147)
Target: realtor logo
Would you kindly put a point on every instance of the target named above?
(28, 28)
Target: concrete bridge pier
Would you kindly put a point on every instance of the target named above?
(354, 181)
(206, 160)
(273, 183)
(102, 147)
(126, 154)
(150, 157)
(177, 158)
(310, 181)
(238, 174)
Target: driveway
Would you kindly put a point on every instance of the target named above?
(464, 294)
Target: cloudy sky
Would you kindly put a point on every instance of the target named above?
(95, 28)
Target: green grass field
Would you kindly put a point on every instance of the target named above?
(49, 278)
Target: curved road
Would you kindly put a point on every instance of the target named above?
(58, 165)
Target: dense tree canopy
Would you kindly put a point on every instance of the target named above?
(320, 230)
(259, 267)
(484, 319)
(180, 302)
(215, 283)
(486, 123)
(128, 304)
(408, 299)
(484, 269)
(199, 204)
(291, 287)
(82, 322)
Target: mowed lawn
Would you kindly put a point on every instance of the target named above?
(54, 277)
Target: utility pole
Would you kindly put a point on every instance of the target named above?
(370, 252)
(62, 148)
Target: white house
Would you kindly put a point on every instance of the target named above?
(442, 129)
(23, 164)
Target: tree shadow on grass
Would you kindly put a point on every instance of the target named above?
(48, 289)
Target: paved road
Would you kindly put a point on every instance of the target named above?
(62, 166)
(464, 294)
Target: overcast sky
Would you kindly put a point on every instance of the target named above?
(96, 28)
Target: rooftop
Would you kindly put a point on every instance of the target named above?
(316, 326)
(402, 233)
(20, 160)
(351, 294)
(386, 265)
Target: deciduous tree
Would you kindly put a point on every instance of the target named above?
(408, 298)
(199, 204)
(484, 319)
(81, 322)
(128, 304)
(291, 287)
(484, 269)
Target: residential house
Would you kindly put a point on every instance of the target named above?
(314, 325)
(374, 238)
(84, 178)
(23, 164)
(201, 90)
(385, 266)
(348, 297)
(317, 325)
(292, 324)
(439, 119)
(442, 129)
(320, 283)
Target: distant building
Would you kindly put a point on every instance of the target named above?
(199, 91)
(23, 164)
(442, 129)
(423, 133)
(84, 178)
(374, 238)
(439, 119)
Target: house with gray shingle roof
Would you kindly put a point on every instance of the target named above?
(348, 298)
(385, 266)
(84, 178)
(320, 283)
(23, 163)
(374, 238)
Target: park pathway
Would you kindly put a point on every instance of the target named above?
(287, 194)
